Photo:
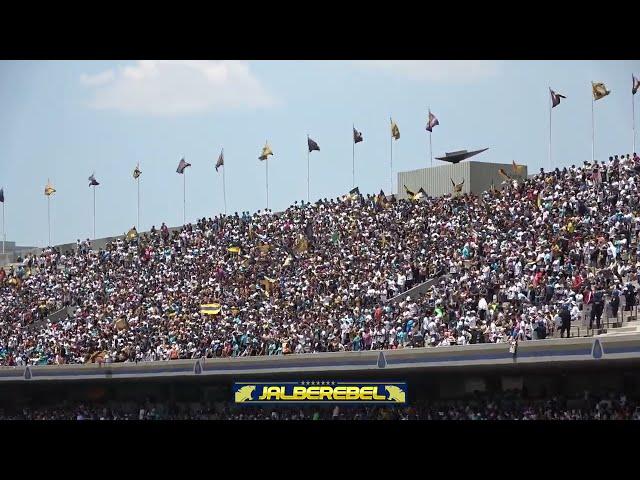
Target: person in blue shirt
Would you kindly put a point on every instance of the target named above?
(409, 325)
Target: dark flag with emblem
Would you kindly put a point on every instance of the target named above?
(92, 181)
(137, 172)
(636, 84)
(354, 192)
(182, 165)
(220, 161)
(433, 121)
(312, 145)
(555, 98)
(357, 136)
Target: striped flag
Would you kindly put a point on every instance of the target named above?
(210, 308)
(555, 98)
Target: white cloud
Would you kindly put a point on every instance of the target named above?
(175, 87)
(459, 71)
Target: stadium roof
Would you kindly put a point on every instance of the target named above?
(457, 157)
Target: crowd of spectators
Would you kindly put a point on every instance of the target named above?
(518, 262)
(509, 406)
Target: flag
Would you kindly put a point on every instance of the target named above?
(457, 188)
(121, 324)
(357, 136)
(49, 190)
(395, 131)
(210, 308)
(381, 198)
(312, 145)
(133, 233)
(220, 161)
(409, 193)
(539, 202)
(555, 98)
(266, 151)
(1, 195)
(432, 122)
(233, 249)
(503, 174)
(137, 172)
(267, 283)
(354, 193)
(599, 90)
(182, 165)
(92, 181)
(301, 245)
(635, 84)
(517, 169)
(420, 195)
(288, 260)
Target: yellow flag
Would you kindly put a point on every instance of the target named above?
(266, 151)
(517, 169)
(210, 309)
(48, 189)
(599, 90)
(395, 131)
(233, 249)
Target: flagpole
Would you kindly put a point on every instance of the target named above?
(49, 217)
(308, 170)
(593, 131)
(4, 233)
(184, 197)
(430, 148)
(353, 157)
(94, 214)
(633, 121)
(138, 221)
(266, 165)
(224, 186)
(550, 108)
(391, 139)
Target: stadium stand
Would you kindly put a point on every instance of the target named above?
(538, 258)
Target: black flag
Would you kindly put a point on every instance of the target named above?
(357, 136)
(555, 98)
(312, 145)
(182, 165)
(1, 195)
(92, 181)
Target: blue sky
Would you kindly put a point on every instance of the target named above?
(65, 119)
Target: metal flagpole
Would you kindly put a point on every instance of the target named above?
(431, 148)
(94, 212)
(308, 170)
(550, 109)
(184, 197)
(353, 157)
(593, 131)
(224, 187)
(4, 233)
(138, 222)
(266, 160)
(633, 121)
(49, 217)
(391, 139)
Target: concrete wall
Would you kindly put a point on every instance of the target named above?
(436, 181)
